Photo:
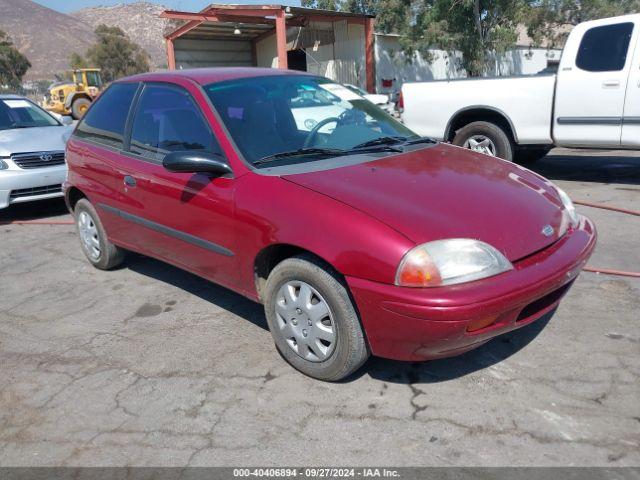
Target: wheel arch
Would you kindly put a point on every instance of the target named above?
(71, 197)
(271, 255)
(475, 113)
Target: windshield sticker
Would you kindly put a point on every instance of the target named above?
(16, 103)
(343, 93)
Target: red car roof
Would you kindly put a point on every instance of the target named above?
(204, 76)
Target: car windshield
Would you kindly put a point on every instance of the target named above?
(295, 119)
(21, 113)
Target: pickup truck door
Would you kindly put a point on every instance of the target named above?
(631, 115)
(591, 85)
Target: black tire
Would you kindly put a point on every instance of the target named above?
(350, 350)
(79, 107)
(110, 256)
(531, 155)
(501, 140)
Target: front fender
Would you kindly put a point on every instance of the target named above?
(270, 210)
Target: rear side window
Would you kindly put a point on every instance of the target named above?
(105, 121)
(167, 119)
(604, 49)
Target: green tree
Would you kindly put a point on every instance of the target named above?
(550, 21)
(114, 54)
(13, 64)
(477, 28)
(321, 4)
(77, 61)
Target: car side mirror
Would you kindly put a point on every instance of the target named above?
(196, 161)
(66, 120)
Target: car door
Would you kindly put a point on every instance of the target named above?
(631, 115)
(188, 217)
(591, 84)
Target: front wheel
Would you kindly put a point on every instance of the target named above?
(79, 108)
(313, 322)
(485, 137)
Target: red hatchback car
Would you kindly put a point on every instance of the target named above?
(358, 236)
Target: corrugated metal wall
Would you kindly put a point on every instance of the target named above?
(194, 53)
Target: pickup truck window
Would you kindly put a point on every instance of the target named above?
(604, 49)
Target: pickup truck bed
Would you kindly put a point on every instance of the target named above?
(437, 109)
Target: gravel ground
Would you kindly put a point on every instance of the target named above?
(149, 365)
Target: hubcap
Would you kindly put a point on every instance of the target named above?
(481, 144)
(305, 321)
(89, 235)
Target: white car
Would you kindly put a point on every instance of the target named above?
(32, 158)
(593, 101)
(379, 99)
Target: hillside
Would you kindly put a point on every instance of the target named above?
(140, 21)
(44, 36)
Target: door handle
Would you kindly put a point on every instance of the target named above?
(611, 83)
(129, 181)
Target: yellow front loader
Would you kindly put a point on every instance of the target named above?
(73, 98)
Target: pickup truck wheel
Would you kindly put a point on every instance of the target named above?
(312, 320)
(485, 137)
(100, 252)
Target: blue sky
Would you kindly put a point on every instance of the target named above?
(188, 5)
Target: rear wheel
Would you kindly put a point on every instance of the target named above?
(312, 320)
(79, 108)
(485, 137)
(96, 246)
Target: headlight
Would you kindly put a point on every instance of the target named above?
(3, 165)
(574, 218)
(447, 262)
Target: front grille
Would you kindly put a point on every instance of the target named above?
(544, 302)
(38, 159)
(33, 191)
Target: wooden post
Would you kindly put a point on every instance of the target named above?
(370, 62)
(254, 53)
(171, 56)
(281, 39)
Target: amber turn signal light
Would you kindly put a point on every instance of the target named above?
(481, 323)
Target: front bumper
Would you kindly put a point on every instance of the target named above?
(428, 323)
(20, 181)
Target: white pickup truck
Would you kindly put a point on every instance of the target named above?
(592, 102)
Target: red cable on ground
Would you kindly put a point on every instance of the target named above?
(607, 207)
(607, 271)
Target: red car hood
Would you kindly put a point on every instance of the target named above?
(448, 192)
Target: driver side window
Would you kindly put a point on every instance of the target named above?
(167, 119)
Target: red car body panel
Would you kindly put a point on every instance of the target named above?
(361, 219)
(445, 192)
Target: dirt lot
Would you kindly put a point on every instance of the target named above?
(148, 365)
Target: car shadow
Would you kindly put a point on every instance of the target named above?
(204, 289)
(391, 371)
(436, 371)
(54, 209)
(602, 167)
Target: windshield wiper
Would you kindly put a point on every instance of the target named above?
(301, 152)
(380, 141)
(420, 140)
